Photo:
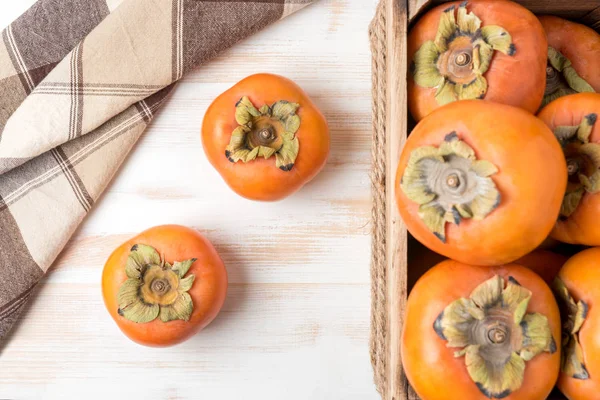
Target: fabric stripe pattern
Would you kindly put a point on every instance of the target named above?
(83, 89)
(104, 136)
(17, 59)
(177, 40)
(75, 92)
(74, 180)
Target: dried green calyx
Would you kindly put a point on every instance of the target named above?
(449, 184)
(265, 132)
(496, 334)
(583, 162)
(154, 288)
(561, 78)
(573, 316)
(454, 63)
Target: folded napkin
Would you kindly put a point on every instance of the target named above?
(80, 80)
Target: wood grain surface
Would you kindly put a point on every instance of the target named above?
(296, 321)
(573, 9)
(396, 132)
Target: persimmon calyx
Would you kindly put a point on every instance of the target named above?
(449, 184)
(583, 162)
(155, 288)
(265, 132)
(496, 334)
(456, 60)
(561, 78)
(573, 316)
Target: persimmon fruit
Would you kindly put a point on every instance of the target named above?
(480, 49)
(573, 58)
(480, 182)
(164, 285)
(577, 289)
(473, 332)
(265, 137)
(574, 121)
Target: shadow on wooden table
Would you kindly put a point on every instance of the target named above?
(236, 267)
(350, 137)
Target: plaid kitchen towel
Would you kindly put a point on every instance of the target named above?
(80, 80)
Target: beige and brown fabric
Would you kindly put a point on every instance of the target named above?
(80, 80)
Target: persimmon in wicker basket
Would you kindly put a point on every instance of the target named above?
(480, 49)
(573, 58)
(576, 289)
(574, 121)
(481, 333)
(481, 182)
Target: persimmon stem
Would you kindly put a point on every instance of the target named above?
(554, 80)
(572, 167)
(154, 288)
(267, 134)
(447, 181)
(268, 131)
(453, 181)
(497, 335)
(561, 78)
(573, 315)
(463, 59)
(160, 286)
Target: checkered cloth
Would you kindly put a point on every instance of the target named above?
(80, 80)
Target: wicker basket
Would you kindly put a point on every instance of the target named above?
(392, 246)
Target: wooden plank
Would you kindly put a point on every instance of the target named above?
(396, 128)
(567, 9)
(271, 341)
(593, 18)
(415, 6)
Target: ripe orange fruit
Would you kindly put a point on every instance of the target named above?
(164, 285)
(265, 137)
(481, 49)
(480, 182)
(481, 332)
(574, 121)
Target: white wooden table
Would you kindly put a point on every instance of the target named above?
(296, 321)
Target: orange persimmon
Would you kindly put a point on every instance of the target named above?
(480, 49)
(573, 58)
(475, 333)
(544, 263)
(577, 290)
(480, 182)
(164, 285)
(574, 121)
(265, 137)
